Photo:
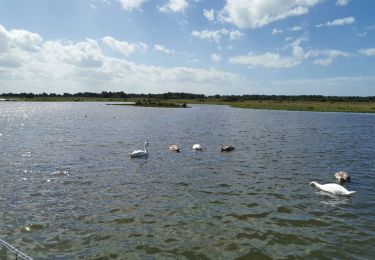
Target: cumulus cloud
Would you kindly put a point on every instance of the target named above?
(124, 47)
(163, 49)
(266, 60)
(235, 35)
(298, 54)
(29, 63)
(209, 14)
(338, 22)
(216, 35)
(174, 6)
(275, 60)
(342, 2)
(255, 13)
(327, 56)
(129, 5)
(296, 28)
(207, 34)
(367, 52)
(215, 57)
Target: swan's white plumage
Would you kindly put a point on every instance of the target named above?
(140, 153)
(197, 147)
(332, 188)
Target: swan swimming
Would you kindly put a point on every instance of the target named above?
(227, 148)
(342, 177)
(197, 147)
(139, 153)
(332, 188)
(174, 148)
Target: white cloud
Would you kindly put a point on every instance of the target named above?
(30, 64)
(274, 60)
(174, 6)
(297, 51)
(217, 35)
(256, 13)
(296, 28)
(215, 57)
(276, 31)
(209, 14)
(338, 22)
(19, 38)
(124, 47)
(129, 5)
(367, 52)
(342, 2)
(327, 56)
(298, 54)
(235, 35)
(163, 49)
(266, 60)
(323, 62)
(207, 34)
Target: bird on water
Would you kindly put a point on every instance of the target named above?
(197, 147)
(227, 148)
(140, 153)
(342, 177)
(332, 188)
(174, 148)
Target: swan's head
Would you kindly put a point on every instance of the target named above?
(146, 143)
(313, 183)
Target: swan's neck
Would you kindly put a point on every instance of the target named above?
(146, 149)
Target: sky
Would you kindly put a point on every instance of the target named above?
(282, 47)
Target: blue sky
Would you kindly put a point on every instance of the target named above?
(286, 47)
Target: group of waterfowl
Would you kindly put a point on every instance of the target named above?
(335, 188)
(177, 149)
(198, 147)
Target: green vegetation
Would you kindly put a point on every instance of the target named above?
(153, 103)
(272, 102)
(322, 106)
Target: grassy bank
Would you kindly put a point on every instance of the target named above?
(153, 103)
(329, 106)
(322, 106)
(318, 106)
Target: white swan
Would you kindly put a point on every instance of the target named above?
(139, 153)
(342, 177)
(331, 188)
(197, 147)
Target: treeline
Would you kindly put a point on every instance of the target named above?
(177, 95)
(105, 94)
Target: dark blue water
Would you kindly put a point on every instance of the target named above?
(68, 189)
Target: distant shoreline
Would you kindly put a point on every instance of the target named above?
(352, 106)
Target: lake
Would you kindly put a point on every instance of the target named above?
(68, 189)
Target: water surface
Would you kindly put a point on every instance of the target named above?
(68, 189)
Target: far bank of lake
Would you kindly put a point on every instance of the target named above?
(290, 105)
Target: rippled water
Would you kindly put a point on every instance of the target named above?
(68, 189)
